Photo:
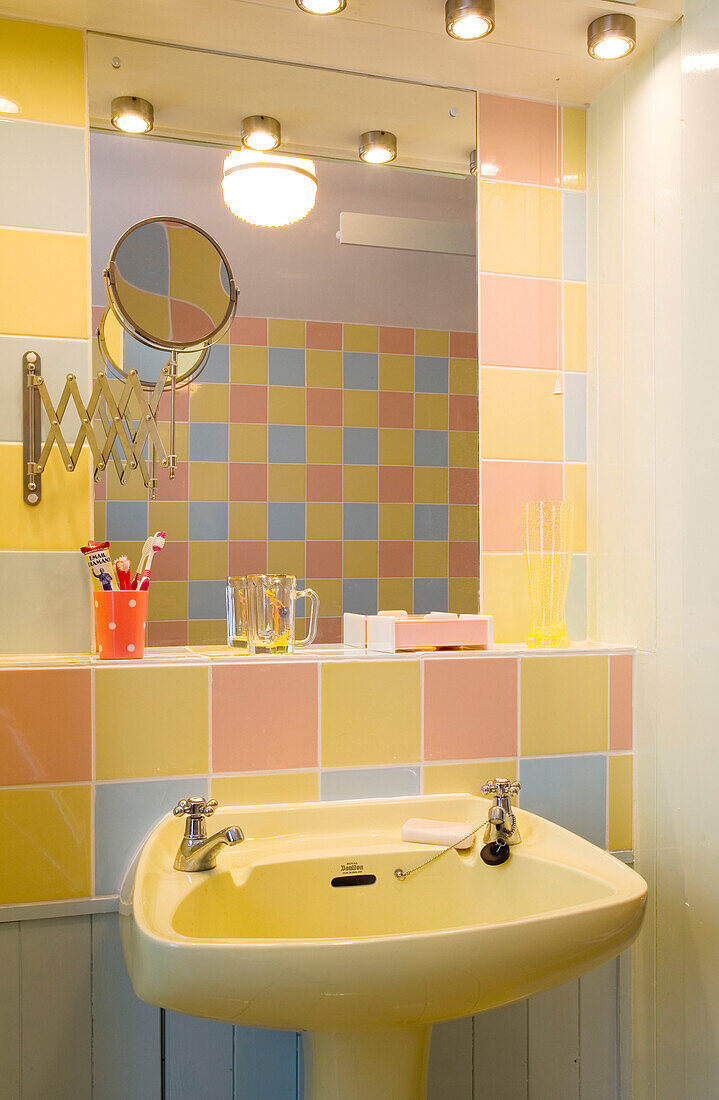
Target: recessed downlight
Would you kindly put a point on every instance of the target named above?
(321, 7)
(9, 106)
(611, 36)
(377, 146)
(261, 133)
(469, 19)
(132, 115)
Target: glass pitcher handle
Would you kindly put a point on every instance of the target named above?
(311, 595)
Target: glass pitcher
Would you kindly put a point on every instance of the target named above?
(548, 541)
(272, 600)
(238, 635)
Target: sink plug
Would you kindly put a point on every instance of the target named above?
(495, 853)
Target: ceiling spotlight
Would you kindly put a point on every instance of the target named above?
(261, 133)
(268, 190)
(322, 7)
(469, 19)
(132, 115)
(473, 163)
(8, 106)
(611, 36)
(377, 146)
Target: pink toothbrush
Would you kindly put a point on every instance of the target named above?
(142, 577)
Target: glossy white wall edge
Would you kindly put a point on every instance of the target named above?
(71, 907)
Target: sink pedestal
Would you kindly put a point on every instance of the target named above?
(373, 1065)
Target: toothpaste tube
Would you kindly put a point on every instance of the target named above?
(97, 556)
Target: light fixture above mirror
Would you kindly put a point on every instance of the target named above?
(611, 36)
(321, 7)
(261, 133)
(268, 190)
(377, 146)
(469, 19)
(132, 115)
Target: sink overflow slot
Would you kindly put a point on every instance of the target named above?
(354, 880)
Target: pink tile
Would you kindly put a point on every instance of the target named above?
(45, 725)
(463, 345)
(171, 564)
(247, 557)
(182, 405)
(264, 716)
(324, 482)
(621, 669)
(175, 489)
(329, 630)
(248, 404)
(396, 484)
(463, 559)
(470, 708)
(324, 406)
(463, 413)
(323, 558)
(463, 485)
(96, 316)
(396, 341)
(167, 632)
(248, 481)
(396, 410)
(249, 330)
(505, 488)
(324, 336)
(395, 559)
(518, 138)
(519, 322)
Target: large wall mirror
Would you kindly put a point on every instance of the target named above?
(333, 431)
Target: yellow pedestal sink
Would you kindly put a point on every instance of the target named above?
(276, 936)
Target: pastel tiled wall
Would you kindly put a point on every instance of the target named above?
(106, 750)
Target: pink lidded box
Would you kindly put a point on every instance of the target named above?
(391, 631)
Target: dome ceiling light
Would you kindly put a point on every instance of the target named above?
(261, 133)
(132, 115)
(611, 36)
(377, 147)
(268, 190)
(469, 19)
(321, 7)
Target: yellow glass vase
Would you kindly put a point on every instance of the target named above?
(548, 544)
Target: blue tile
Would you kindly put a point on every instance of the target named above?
(286, 520)
(268, 1063)
(285, 443)
(430, 448)
(217, 367)
(124, 815)
(430, 594)
(360, 370)
(570, 790)
(126, 520)
(359, 521)
(286, 366)
(577, 599)
(208, 442)
(359, 446)
(575, 417)
(359, 594)
(369, 783)
(574, 236)
(431, 521)
(431, 374)
(208, 520)
(207, 599)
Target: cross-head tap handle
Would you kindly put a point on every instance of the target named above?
(195, 807)
(502, 787)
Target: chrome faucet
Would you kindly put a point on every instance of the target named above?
(501, 824)
(198, 851)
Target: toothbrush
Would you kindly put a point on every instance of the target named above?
(146, 549)
(158, 542)
(122, 568)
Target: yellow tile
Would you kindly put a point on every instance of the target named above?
(168, 601)
(575, 491)
(360, 408)
(209, 403)
(247, 521)
(464, 595)
(430, 559)
(465, 778)
(207, 631)
(99, 527)
(359, 483)
(396, 372)
(431, 410)
(370, 713)
(504, 596)
(620, 803)
(248, 365)
(62, 520)
(395, 594)
(324, 521)
(330, 594)
(208, 480)
(463, 449)
(430, 485)
(286, 557)
(264, 790)
(463, 523)
(248, 443)
(324, 444)
(563, 704)
(208, 561)
(324, 369)
(574, 153)
(286, 334)
(431, 342)
(131, 550)
(133, 489)
(360, 337)
(286, 481)
(286, 405)
(396, 446)
(396, 521)
(168, 733)
(521, 417)
(27, 306)
(518, 229)
(48, 840)
(43, 70)
(575, 326)
(359, 559)
(169, 516)
(463, 376)
(181, 438)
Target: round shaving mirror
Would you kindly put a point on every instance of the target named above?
(122, 353)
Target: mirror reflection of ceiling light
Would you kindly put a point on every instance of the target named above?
(322, 7)
(268, 190)
(132, 115)
(611, 36)
(8, 106)
(469, 19)
(261, 133)
(377, 146)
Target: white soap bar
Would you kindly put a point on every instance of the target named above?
(444, 833)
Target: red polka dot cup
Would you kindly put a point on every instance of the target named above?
(120, 621)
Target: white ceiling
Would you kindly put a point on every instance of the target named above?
(535, 41)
